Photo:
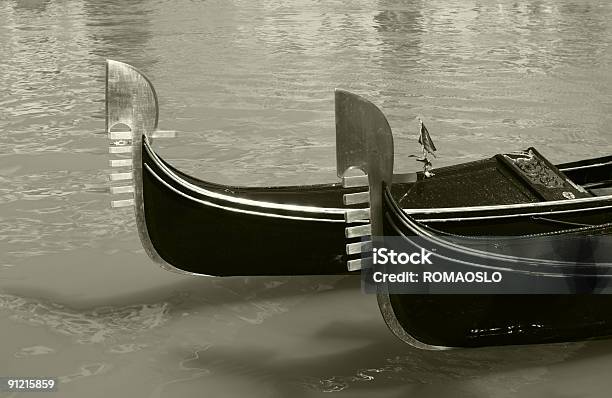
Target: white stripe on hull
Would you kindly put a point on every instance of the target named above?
(242, 201)
(251, 212)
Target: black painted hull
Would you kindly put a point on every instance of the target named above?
(475, 320)
(492, 320)
(206, 234)
(279, 230)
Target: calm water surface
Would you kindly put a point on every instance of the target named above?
(249, 86)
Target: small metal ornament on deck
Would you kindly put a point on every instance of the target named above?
(427, 146)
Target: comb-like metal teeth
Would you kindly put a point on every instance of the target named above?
(358, 264)
(121, 176)
(356, 181)
(356, 198)
(358, 231)
(404, 178)
(120, 135)
(124, 189)
(122, 203)
(120, 149)
(120, 162)
(359, 247)
(163, 134)
(356, 215)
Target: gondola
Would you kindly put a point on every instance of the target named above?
(202, 228)
(197, 227)
(517, 199)
(242, 231)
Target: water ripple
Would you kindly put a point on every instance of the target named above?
(482, 368)
(89, 326)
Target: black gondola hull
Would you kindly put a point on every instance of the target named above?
(476, 320)
(206, 235)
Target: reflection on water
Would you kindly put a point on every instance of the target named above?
(249, 86)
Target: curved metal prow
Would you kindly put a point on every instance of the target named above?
(364, 141)
(130, 101)
(363, 137)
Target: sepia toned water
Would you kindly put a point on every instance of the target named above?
(249, 87)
